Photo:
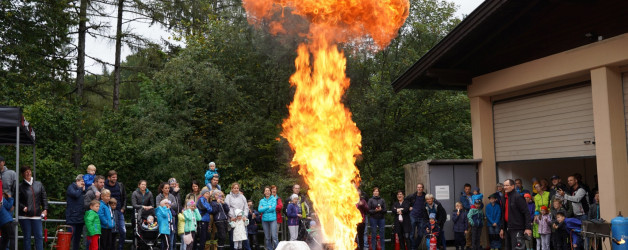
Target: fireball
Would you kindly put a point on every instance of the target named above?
(319, 128)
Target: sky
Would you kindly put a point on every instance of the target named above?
(104, 49)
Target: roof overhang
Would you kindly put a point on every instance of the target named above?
(503, 33)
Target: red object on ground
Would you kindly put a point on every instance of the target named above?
(64, 237)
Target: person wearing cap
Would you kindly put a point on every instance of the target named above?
(293, 217)
(9, 177)
(432, 229)
(555, 182)
(74, 211)
(118, 192)
(516, 216)
(499, 194)
(205, 210)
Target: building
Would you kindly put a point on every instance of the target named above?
(548, 86)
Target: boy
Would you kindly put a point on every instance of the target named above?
(561, 236)
(114, 231)
(89, 177)
(433, 229)
(475, 220)
(493, 217)
(92, 222)
(477, 196)
(211, 172)
(531, 210)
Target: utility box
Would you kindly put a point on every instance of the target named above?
(444, 179)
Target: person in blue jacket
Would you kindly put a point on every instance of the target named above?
(493, 218)
(6, 218)
(267, 207)
(205, 208)
(106, 220)
(164, 220)
(75, 211)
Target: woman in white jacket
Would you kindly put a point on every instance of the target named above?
(236, 200)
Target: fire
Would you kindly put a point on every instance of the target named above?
(319, 129)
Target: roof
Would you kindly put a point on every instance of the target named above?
(10, 119)
(503, 33)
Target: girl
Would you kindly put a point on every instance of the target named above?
(461, 223)
(544, 221)
(239, 229)
(106, 219)
(164, 219)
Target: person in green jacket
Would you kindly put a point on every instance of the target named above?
(92, 223)
(191, 216)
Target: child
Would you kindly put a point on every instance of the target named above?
(493, 218)
(557, 206)
(477, 196)
(531, 208)
(105, 214)
(149, 223)
(535, 229)
(92, 222)
(544, 221)
(205, 210)
(190, 215)
(239, 229)
(461, 223)
(561, 236)
(293, 217)
(251, 229)
(6, 219)
(181, 228)
(164, 219)
(211, 172)
(89, 177)
(594, 209)
(220, 210)
(475, 217)
(432, 230)
(114, 231)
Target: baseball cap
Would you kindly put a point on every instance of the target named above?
(555, 177)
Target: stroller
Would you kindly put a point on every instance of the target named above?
(145, 234)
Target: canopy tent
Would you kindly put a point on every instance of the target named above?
(15, 130)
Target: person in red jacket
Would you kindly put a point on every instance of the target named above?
(364, 209)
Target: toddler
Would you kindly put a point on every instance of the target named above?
(149, 223)
(89, 177)
(544, 222)
(239, 229)
(477, 196)
(211, 172)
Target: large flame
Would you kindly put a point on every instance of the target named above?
(325, 140)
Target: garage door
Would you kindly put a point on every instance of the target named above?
(557, 124)
(625, 83)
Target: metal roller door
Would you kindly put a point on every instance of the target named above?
(625, 85)
(557, 124)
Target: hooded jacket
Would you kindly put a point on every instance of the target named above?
(74, 211)
(5, 211)
(236, 201)
(191, 217)
(33, 197)
(164, 217)
(204, 208)
(92, 223)
(106, 218)
(138, 199)
(441, 214)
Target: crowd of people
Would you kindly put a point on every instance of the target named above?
(514, 217)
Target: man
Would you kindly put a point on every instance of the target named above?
(213, 184)
(94, 191)
(74, 210)
(417, 215)
(516, 216)
(555, 179)
(433, 206)
(303, 209)
(577, 198)
(8, 177)
(118, 192)
(519, 187)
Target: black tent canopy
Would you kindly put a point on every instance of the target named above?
(15, 130)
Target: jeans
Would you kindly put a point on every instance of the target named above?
(30, 228)
(360, 235)
(417, 226)
(377, 224)
(77, 234)
(493, 236)
(543, 242)
(173, 232)
(121, 230)
(476, 232)
(270, 234)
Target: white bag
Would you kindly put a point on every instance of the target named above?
(188, 239)
(400, 218)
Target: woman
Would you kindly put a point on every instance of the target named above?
(33, 206)
(142, 198)
(273, 192)
(377, 210)
(196, 192)
(164, 193)
(236, 200)
(75, 211)
(267, 206)
(293, 217)
(542, 198)
(401, 211)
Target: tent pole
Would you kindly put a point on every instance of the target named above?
(34, 166)
(17, 187)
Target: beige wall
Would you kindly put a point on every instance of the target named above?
(600, 62)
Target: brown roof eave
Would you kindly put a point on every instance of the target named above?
(467, 26)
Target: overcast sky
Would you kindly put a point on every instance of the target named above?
(105, 49)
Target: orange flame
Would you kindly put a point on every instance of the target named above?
(325, 140)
